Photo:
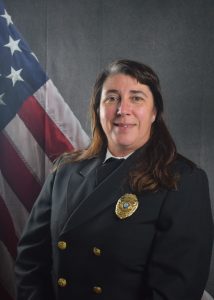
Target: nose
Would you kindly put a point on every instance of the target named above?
(123, 108)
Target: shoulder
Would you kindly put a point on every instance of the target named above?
(59, 177)
(72, 166)
(191, 194)
(191, 176)
(184, 166)
(76, 167)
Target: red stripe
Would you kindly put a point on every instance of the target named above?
(47, 134)
(4, 294)
(17, 174)
(7, 231)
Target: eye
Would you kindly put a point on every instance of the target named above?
(137, 98)
(112, 98)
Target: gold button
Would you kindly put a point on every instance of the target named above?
(62, 245)
(96, 251)
(62, 282)
(97, 289)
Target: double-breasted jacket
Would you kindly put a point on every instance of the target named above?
(76, 247)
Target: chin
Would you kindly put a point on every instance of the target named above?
(125, 143)
(126, 147)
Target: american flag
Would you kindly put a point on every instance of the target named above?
(36, 126)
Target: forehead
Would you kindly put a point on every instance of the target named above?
(124, 83)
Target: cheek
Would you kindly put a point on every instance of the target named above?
(146, 117)
(106, 114)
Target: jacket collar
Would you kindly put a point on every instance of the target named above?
(102, 196)
(90, 165)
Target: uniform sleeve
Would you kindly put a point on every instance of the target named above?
(34, 260)
(178, 267)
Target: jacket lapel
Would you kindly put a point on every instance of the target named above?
(96, 199)
(81, 184)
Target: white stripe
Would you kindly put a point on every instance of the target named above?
(18, 213)
(206, 296)
(58, 110)
(28, 149)
(7, 277)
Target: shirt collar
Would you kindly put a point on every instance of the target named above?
(109, 155)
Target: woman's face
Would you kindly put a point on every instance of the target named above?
(127, 112)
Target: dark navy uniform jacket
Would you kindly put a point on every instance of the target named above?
(75, 247)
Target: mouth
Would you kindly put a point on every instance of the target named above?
(124, 125)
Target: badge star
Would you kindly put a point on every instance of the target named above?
(7, 18)
(13, 45)
(1, 101)
(15, 75)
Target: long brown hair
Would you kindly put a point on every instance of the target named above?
(153, 169)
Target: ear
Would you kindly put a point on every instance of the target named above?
(154, 116)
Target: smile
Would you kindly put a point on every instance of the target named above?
(122, 125)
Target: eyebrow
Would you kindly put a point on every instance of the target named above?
(138, 92)
(112, 91)
(131, 91)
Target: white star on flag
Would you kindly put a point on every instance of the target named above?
(1, 101)
(15, 75)
(13, 45)
(7, 17)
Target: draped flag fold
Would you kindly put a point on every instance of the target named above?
(36, 126)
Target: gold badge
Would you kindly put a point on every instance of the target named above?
(126, 206)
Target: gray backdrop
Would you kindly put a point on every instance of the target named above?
(75, 39)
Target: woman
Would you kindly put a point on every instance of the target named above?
(141, 230)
